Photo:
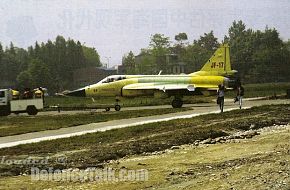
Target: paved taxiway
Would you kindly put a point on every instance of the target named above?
(198, 109)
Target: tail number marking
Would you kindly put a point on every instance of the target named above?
(217, 65)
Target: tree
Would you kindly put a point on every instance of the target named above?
(11, 49)
(80, 57)
(36, 75)
(1, 51)
(147, 65)
(24, 79)
(59, 58)
(178, 48)
(22, 59)
(180, 38)
(269, 58)
(194, 56)
(37, 51)
(39, 73)
(10, 66)
(208, 41)
(240, 41)
(159, 44)
(159, 47)
(92, 57)
(1, 55)
(197, 53)
(129, 63)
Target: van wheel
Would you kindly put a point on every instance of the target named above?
(107, 109)
(4, 111)
(31, 110)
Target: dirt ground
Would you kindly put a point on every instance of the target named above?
(260, 162)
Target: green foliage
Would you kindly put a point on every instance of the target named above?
(129, 63)
(24, 79)
(37, 75)
(181, 37)
(208, 42)
(197, 53)
(49, 64)
(10, 64)
(156, 57)
(39, 72)
(259, 56)
(147, 65)
(159, 43)
(159, 47)
(92, 57)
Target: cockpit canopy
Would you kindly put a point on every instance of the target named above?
(112, 79)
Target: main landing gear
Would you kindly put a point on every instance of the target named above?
(177, 103)
(117, 106)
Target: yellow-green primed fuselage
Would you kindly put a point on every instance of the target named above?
(217, 70)
(144, 85)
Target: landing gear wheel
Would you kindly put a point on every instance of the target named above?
(117, 107)
(177, 103)
(107, 109)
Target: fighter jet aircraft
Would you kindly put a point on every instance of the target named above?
(217, 70)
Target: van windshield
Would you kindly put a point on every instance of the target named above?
(2, 94)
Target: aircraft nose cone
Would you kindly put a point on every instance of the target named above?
(78, 93)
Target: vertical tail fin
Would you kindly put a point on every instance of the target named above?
(219, 61)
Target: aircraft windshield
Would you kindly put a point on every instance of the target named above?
(112, 79)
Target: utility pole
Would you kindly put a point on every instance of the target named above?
(108, 60)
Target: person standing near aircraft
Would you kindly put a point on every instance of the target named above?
(38, 93)
(240, 94)
(27, 94)
(15, 94)
(221, 97)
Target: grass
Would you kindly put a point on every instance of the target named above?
(94, 149)
(125, 102)
(25, 124)
(265, 89)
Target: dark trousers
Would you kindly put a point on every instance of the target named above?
(221, 101)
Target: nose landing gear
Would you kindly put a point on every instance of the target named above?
(117, 106)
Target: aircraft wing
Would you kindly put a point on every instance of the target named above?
(168, 87)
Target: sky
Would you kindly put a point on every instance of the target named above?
(114, 27)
